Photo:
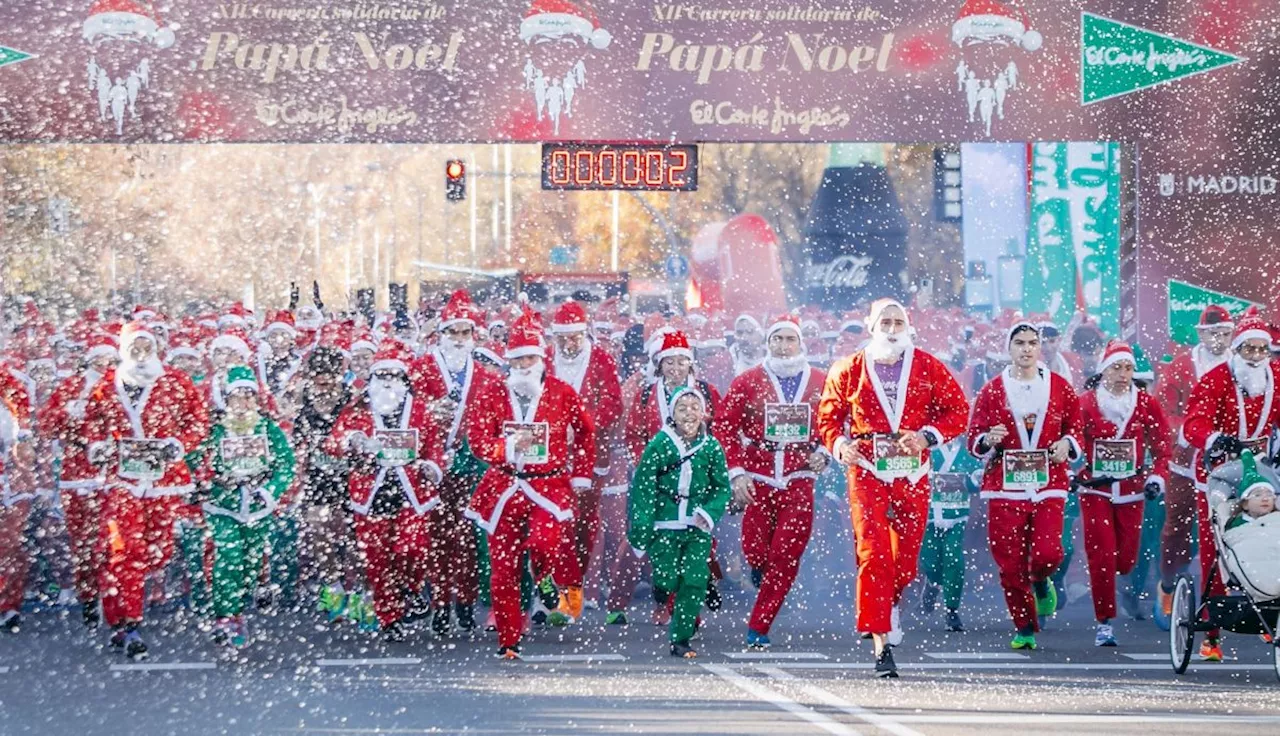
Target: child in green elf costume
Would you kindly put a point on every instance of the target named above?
(243, 468)
(678, 494)
(942, 558)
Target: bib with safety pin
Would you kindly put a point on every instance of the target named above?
(1026, 470)
(141, 459)
(537, 452)
(1259, 446)
(890, 460)
(786, 423)
(1115, 458)
(245, 456)
(399, 446)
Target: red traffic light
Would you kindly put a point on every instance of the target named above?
(455, 170)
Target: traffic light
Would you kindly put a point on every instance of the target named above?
(455, 180)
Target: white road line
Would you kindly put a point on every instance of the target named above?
(157, 666)
(729, 675)
(884, 723)
(563, 658)
(4, 670)
(1147, 656)
(976, 655)
(367, 662)
(1066, 666)
(774, 655)
(1029, 720)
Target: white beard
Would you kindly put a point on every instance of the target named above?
(456, 354)
(884, 347)
(742, 363)
(1252, 378)
(386, 397)
(140, 374)
(572, 370)
(526, 382)
(1116, 409)
(787, 367)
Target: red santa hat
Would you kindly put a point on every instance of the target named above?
(125, 20)
(1250, 327)
(749, 319)
(459, 309)
(1019, 326)
(711, 334)
(877, 310)
(569, 317)
(235, 316)
(233, 339)
(785, 322)
(142, 313)
(309, 319)
(491, 352)
(392, 356)
(993, 21)
(1116, 352)
(607, 314)
(131, 331)
(99, 345)
(363, 340)
(1215, 315)
(555, 19)
(674, 344)
(524, 338)
(280, 320)
(652, 324)
(183, 343)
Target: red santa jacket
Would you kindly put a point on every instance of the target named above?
(741, 425)
(1173, 391)
(419, 479)
(1146, 426)
(481, 389)
(62, 420)
(854, 403)
(1217, 406)
(570, 454)
(16, 424)
(1058, 419)
(601, 395)
(170, 408)
(648, 413)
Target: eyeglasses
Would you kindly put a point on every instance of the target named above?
(1259, 351)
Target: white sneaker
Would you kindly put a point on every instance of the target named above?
(895, 627)
(1105, 637)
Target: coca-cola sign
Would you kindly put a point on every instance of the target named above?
(845, 272)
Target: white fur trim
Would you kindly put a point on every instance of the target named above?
(1116, 357)
(783, 324)
(711, 524)
(242, 384)
(101, 350)
(874, 317)
(658, 356)
(231, 342)
(284, 326)
(364, 345)
(1240, 339)
(171, 354)
(389, 365)
(580, 484)
(538, 350)
(558, 328)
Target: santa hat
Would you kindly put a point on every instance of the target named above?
(235, 316)
(125, 20)
(492, 353)
(984, 21)
(749, 319)
(524, 338)
(183, 343)
(1116, 352)
(233, 339)
(142, 314)
(555, 19)
(569, 317)
(363, 340)
(785, 322)
(1215, 315)
(674, 344)
(99, 345)
(392, 356)
(877, 309)
(711, 334)
(132, 331)
(280, 320)
(606, 315)
(458, 309)
(1250, 327)
(241, 377)
(309, 318)
(1018, 326)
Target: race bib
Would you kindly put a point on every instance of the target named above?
(1115, 458)
(537, 452)
(1026, 470)
(948, 491)
(399, 446)
(142, 459)
(890, 460)
(786, 423)
(1259, 447)
(245, 456)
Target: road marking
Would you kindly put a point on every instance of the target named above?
(774, 655)
(729, 675)
(884, 723)
(563, 658)
(1044, 719)
(1147, 656)
(367, 662)
(975, 655)
(4, 670)
(1014, 666)
(155, 666)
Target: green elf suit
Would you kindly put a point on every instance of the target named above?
(675, 483)
(240, 501)
(942, 554)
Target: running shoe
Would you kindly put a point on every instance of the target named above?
(1162, 609)
(11, 622)
(1023, 641)
(953, 621)
(682, 649)
(929, 601)
(1106, 636)
(393, 633)
(895, 626)
(466, 614)
(885, 666)
(440, 623)
(1046, 598)
(134, 648)
(758, 642)
(616, 618)
(1211, 651)
(509, 653)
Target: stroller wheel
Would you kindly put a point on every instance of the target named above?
(1275, 653)
(1182, 628)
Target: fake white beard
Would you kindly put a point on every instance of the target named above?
(1252, 378)
(1116, 408)
(743, 362)
(787, 367)
(885, 347)
(572, 369)
(140, 374)
(456, 354)
(526, 382)
(386, 397)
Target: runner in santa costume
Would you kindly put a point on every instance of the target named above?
(1025, 426)
(539, 443)
(1174, 391)
(396, 449)
(457, 389)
(748, 349)
(16, 459)
(140, 420)
(881, 411)
(1232, 408)
(80, 481)
(592, 373)
(768, 422)
(1121, 425)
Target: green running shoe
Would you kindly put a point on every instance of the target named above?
(1046, 599)
(1023, 641)
(616, 618)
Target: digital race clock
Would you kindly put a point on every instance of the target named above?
(624, 166)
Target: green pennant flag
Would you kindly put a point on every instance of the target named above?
(1187, 301)
(12, 56)
(1117, 58)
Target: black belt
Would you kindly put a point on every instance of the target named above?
(529, 476)
(771, 446)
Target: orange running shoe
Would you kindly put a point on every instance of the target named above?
(1210, 651)
(1166, 601)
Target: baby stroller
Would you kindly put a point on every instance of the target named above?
(1252, 602)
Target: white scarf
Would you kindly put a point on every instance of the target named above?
(1117, 409)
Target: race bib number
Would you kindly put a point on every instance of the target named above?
(1115, 458)
(948, 491)
(537, 452)
(1259, 447)
(890, 460)
(1026, 470)
(786, 423)
(245, 456)
(142, 459)
(399, 446)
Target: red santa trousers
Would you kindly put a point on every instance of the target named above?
(451, 564)
(395, 552)
(14, 560)
(1026, 543)
(523, 526)
(775, 533)
(136, 539)
(84, 529)
(1175, 537)
(1112, 533)
(887, 545)
(580, 536)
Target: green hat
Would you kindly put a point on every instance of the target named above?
(1143, 370)
(1251, 479)
(241, 376)
(681, 391)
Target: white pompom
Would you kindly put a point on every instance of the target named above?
(164, 38)
(1032, 40)
(600, 38)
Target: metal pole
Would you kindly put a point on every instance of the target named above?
(506, 202)
(472, 196)
(613, 259)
